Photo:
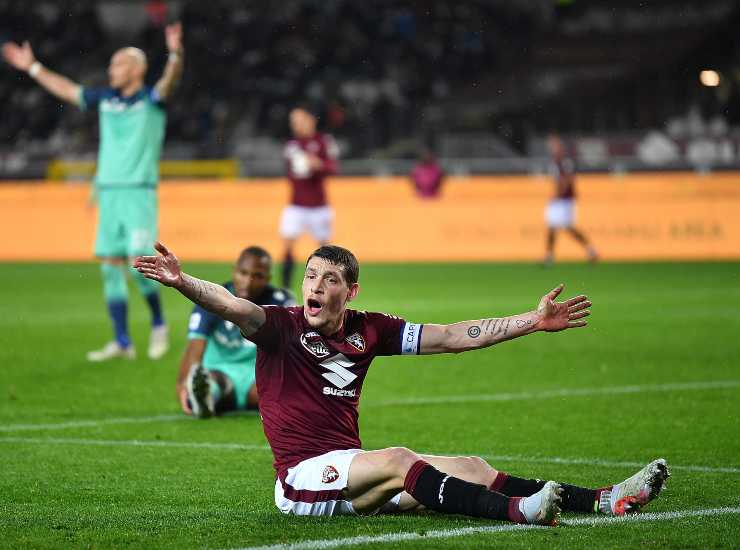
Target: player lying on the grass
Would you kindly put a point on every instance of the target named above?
(311, 362)
(217, 370)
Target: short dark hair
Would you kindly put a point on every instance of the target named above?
(341, 257)
(256, 252)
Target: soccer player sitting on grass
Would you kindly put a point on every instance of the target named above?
(311, 363)
(217, 370)
(132, 127)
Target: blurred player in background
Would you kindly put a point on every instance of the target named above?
(560, 212)
(132, 128)
(310, 157)
(217, 370)
(427, 175)
(311, 363)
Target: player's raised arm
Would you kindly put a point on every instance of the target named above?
(550, 316)
(173, 69)
(22, 58)
(165, 268)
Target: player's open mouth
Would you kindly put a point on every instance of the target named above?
(313, 306)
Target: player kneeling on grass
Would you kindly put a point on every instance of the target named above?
(217, 370)
(311, 362)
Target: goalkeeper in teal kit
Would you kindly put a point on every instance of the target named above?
(132, 128)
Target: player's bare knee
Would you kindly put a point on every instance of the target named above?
(481, 469)
(400, 459)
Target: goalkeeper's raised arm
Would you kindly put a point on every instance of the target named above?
(550, 316)
(22, 58)
(173, 70)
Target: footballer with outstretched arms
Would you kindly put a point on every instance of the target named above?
(217, 369)
(560, 211)
(132, 127)
(311, 363)
(309, 158)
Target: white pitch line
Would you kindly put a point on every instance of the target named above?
(92, 423)
(493, 529)
(136, 443)
(253, 447)
(441, 399)
(565, 392)
(604, 463)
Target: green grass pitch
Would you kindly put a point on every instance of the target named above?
(659, 370)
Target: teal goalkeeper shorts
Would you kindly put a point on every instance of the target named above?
(127, 222)
(242, 376)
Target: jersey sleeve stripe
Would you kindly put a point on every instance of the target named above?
(411, 338)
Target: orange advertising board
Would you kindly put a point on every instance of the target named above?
(632, 217)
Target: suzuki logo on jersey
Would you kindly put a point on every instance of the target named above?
(356, 341)
(314, 344)
(340, 376)
(330, 474)
(339, 393)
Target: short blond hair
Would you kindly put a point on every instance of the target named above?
(136, 53)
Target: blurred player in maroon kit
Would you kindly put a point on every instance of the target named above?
(311, 363)
(427, 176)
(560, 212)
(309, 158)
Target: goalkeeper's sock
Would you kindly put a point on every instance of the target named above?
(155, 306)
(574, 499)
(116, 297)
(118, 311)
(150, 290)
(443, 493)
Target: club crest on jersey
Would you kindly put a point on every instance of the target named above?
(314, 344)
(330, 474)
(356, 341)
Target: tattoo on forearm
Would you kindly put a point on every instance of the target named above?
(498, 327)
(495, 326)
(204, 293)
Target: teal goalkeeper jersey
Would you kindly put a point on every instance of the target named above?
(225, 345)
(131, 136)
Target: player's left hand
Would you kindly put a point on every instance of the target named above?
(164, 268)
(173, 37)
(556, 316)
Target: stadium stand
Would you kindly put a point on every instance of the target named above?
(459, 77)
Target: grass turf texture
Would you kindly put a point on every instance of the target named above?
(651, 324)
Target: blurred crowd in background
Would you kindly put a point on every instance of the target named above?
(481, 79)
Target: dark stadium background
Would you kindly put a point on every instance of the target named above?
(481, 82)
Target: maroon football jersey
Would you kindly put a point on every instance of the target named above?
(308, 185)
(564, 172)
(309, 385)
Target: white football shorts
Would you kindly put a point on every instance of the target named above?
(315, 486)
(297, 220)
(560, 213)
